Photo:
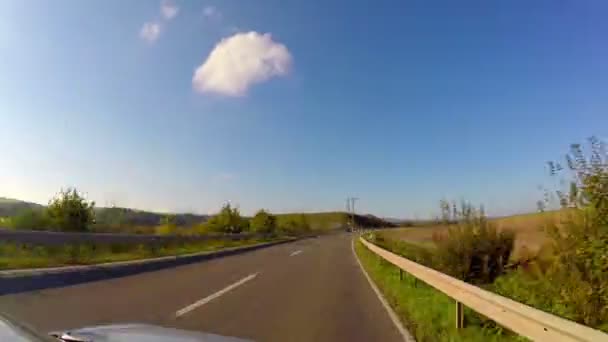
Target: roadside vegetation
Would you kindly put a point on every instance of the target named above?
(567, 275)
(18, 256)
(20, 215)
(428, 314)
(69, 211)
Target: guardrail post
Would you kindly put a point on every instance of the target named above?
(400, 274)
(459, 315)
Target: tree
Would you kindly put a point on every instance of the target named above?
(228, 220)
(69, 211)
(263, 223)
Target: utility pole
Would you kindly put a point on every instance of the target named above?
(350, 207)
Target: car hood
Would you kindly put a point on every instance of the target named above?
(139, 333)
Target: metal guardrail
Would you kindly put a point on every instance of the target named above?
(521, 319)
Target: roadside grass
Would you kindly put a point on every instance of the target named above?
(427, 313)
(18, 256)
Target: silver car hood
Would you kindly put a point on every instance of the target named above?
(139, 333)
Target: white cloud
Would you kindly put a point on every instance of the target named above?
(211, 12)
(168, 9)
(240, 61)
(150, 32)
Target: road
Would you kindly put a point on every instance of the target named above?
(309, 290)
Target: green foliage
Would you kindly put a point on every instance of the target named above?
(579, 271)
(124, 219)
(263, 223)
(573, 282)
(31, 219)
(289, 227)
(587, 177)
(165, 229)
(228, 220)
(474, 250)
(167, 226)
(302, 223)
(296, 225)
(70, 212)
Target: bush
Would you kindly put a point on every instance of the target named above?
(70, 212)
(573, 282)
(474, 250)
(228, 220)
(263, 223)
(580, 267)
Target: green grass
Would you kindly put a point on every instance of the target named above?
(427, 313)
(17, 256)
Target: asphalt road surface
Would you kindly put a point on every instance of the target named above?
(310, 290)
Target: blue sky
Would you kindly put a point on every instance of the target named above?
(400, 103)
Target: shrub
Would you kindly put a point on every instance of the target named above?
(573, 281)
(474, 250)
(289, 227)
(70, 212)
(263, 222)
(228, 220)
(580, 265)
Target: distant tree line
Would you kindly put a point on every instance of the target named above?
(230, 221)
(69, 211)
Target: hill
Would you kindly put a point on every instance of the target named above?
(107, 217)
(117, 216)
(334, 220)
(11, 207)
(118, 219)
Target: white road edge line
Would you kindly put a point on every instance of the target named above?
(407, 337)
(295, 253)
(214, 296)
